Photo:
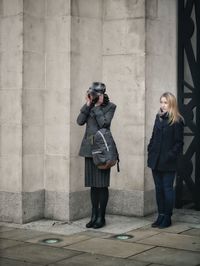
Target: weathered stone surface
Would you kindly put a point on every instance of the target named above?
(109, 247)
(98, 260)
(169, 256)
(37, 254)
(174, 241)
(65, 240)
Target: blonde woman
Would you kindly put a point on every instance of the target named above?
(165, 145)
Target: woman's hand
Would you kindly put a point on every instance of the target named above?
(100, 101)
(88, 99)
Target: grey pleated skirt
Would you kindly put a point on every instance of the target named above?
(95, 177)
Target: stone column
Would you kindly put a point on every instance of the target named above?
(139, 63)
(11, 83)
(124, 74)
(161, 72)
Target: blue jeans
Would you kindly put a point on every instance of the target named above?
(164, 191)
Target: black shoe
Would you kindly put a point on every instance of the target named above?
(158, 220)
(93, 219)
(100, 222)
(166, 222)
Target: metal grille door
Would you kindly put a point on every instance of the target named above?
(188, 176)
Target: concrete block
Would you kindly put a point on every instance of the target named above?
(77, 173)
(58, 35)
(87, 8)
(10, 207)
(34, 65)
(126, 202)
(160, 37)
(33, 107)
(11, 70)
(131, 140)
(33, 34)
(79, 205)
(33, 140)
(167, 10)
(11, 7)
(86, 38)
(33, 205)
(57, 205)
(124, 9)
(11, 33)
(134, 106)
(36, 7)
(58, 8)
(58, 71)
(131, 40)
(167, 73)
(11, 107)
(57, 140)
(57, 108)
(33, 173)
(152, 9)
(150, 205)
(11, 173)
(56, 173)
(149, 183)
(11, 140)
(122, 72)
(133, 173)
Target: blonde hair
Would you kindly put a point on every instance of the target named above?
(174, 115)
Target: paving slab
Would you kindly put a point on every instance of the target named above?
(37, 253)
(109, 247)
(141, 234)
(64, 240)
(5, 243)
(9, 262)
(5, 228)
(117, 224)
(176, 241)
(192, 232)
(169, 256)
(20, 234)
(96, 233)
(98, 260)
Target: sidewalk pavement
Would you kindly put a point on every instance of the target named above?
(22, 245)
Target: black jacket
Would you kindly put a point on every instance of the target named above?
(95, 118)
(165, 145)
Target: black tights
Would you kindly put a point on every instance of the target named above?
(99, 197)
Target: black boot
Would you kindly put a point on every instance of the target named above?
(158, 221)
(100, 222)
(93, 218)
(166, 222)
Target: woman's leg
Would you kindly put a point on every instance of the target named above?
(103, 200)
(158, 180)
(94, 196)
(168, 181)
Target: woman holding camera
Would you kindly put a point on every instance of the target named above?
(165, 145)
(96, 113)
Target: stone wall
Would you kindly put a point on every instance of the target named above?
(50, 53)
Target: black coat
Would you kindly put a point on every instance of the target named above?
(95, 118)
(165, 145)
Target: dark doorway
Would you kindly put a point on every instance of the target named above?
(188, 176)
